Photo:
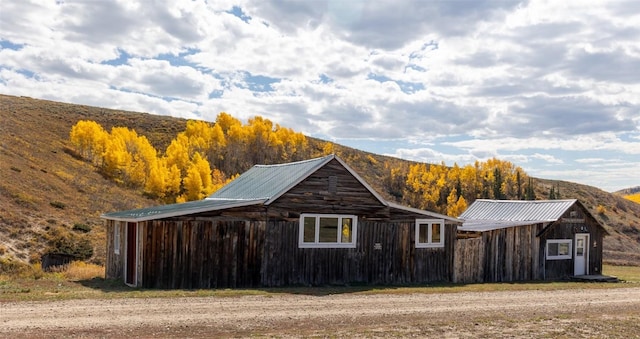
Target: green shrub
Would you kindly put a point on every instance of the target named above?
(61, 241)
(84, 228)
(11, 266)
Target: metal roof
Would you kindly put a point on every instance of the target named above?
(517, 210)
(423, 212)
(174, 210)
(489, 225)
(269, 181)
(261, 184)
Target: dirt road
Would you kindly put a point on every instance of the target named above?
(581, 313)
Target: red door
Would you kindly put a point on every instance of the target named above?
(131, 252)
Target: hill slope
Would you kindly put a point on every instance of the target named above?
(46, 191)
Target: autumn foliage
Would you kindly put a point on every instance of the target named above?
(198, 160)
(205, 156)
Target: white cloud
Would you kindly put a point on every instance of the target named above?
(550, 84)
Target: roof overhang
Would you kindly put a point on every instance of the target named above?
(176, 210)
(425, 213)
(490, 225)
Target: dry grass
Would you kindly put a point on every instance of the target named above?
(85, 281)
(79, 270)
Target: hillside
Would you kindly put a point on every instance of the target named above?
(48, 195)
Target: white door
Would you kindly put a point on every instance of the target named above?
(581, 257)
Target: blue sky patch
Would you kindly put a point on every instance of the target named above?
(122, 59)
(259, 83)
(237, 11)
(6, 44)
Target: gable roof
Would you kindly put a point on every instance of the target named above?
(485, 215)
(269, 182)
(261, 184)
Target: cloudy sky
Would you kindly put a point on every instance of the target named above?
(552, 86)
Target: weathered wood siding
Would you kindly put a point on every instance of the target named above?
(469, 261)
(511, 254)
(575, 220)
(202, 253)
(385, 254)
(331, 190)
(229, 254)
(114, 262)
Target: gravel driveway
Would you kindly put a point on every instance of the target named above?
(564, 313)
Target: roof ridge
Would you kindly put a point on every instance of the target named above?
(295, 162)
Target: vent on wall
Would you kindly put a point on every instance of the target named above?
(333, 184)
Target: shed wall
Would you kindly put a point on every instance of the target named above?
(510, 254)
(566, 228)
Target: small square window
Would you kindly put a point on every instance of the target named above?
(558, 249)
(429, 233)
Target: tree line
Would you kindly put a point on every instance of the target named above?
(205, 156)
(198, 161)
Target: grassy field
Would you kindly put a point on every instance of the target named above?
(84, 281)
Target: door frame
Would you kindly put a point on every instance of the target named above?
(585, 254)
(131, 254)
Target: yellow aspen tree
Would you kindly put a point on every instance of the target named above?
(156, 185)
(328, 148)
(174, 181)
(177, 153)
(192, 186)
(226, 121)
(116, 156)
(89, 139)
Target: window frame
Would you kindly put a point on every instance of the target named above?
(317, 243)
(558, 242)
(429, 243)
(116, 237)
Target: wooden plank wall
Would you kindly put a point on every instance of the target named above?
(511, 254)
(469, 261)
(202, 253)
(385, 254)
(114, 262)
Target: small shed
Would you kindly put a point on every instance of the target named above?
(505, 240)
(313, 222)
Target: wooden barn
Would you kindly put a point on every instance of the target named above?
(313, 222)
(506, 240)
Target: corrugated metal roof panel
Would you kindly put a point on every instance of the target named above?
(269, 181)
(489, 225)
(174, 210)
(517, 210)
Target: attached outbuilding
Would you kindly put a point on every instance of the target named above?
(506, 240)
(313, 222)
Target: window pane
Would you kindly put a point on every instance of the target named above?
(328, 230)
(309, 229)
(563, 248)
(346, 229)
(553, 249)
(435, 233)
(422, 234)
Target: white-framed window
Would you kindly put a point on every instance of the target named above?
(116, 237)
(429, 233)
(558, 249)
(328, 231)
